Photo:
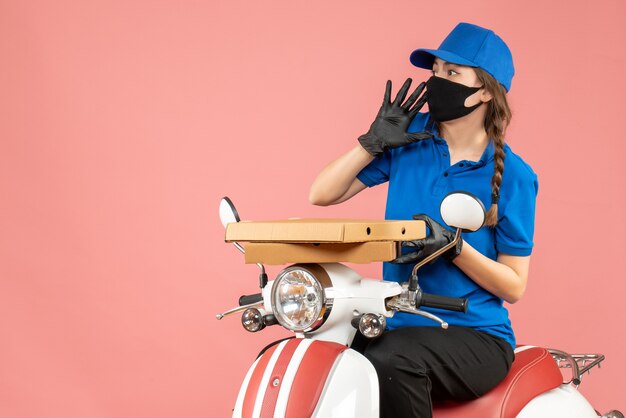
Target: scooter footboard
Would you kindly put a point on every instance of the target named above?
(308, 378)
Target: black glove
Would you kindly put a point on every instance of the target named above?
(389, 127)
(439, 237)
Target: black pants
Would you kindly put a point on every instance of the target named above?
(417, 366)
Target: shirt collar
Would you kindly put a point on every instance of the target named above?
(431, 127)
(487, 153)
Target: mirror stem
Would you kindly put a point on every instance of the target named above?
(437, 253)
(262, 278)
(262, 274)
(239, 247)
(413, 281)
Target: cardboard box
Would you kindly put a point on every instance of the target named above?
(325, 231)
(283, 253)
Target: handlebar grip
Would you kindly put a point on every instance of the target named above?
(248, 299)
(443, 302)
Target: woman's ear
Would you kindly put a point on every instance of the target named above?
(485, 95)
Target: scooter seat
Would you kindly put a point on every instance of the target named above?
(532, 373)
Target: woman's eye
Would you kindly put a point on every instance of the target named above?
(452, 72)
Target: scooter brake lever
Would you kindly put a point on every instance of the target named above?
(399, 305)
(238, 309)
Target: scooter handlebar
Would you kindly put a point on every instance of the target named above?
(250, 299)
(443, 302)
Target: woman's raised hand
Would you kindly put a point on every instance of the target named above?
(393, 119)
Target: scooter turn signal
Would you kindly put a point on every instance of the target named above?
(372, 325)
(252, 320)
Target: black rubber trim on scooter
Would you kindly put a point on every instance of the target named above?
(267, 347)
(442, 302)
(248, 299)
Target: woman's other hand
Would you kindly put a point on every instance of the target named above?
(439, 237)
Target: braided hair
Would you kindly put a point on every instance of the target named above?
(497, 118)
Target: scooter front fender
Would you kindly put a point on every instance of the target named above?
(309, 378)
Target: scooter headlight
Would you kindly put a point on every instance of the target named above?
(298, 298)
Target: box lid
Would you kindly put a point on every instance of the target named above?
(325, 230)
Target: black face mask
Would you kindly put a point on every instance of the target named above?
(446, 99)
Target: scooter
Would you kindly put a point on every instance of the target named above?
(317, 374)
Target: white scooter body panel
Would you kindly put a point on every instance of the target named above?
(562, 402)
(350, 293)
(351, 390)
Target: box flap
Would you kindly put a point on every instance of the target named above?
(284, 253)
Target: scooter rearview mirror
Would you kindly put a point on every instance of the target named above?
(228, 213)
(463, 210)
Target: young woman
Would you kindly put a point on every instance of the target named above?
(458, 145)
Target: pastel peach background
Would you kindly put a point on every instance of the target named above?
(122, 123)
